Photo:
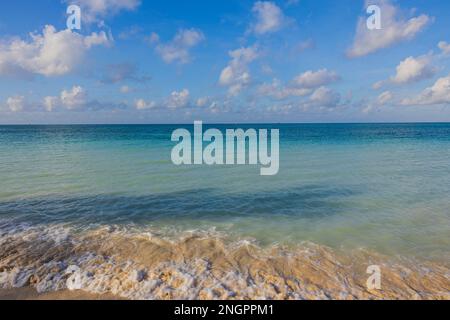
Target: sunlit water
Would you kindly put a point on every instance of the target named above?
(384, 187)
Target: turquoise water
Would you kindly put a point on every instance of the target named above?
(378, 186)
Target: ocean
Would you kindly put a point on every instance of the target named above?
(383, 188)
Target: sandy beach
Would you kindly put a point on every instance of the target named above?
(32, 294)
(108, 264)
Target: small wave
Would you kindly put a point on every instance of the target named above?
(138, 263)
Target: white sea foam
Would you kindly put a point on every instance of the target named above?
(136, 264)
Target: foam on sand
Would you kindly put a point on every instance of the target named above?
(136, 264)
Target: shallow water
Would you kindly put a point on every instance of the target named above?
(103, 209)
(381, 187)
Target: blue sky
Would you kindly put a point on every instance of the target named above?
(172, 61)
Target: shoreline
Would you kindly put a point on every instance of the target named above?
(31, 294)
(107, 263)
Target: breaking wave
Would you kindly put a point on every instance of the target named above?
(137, 263)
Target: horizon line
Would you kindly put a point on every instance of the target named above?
(223, 123)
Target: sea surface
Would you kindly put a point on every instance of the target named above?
(378, 187)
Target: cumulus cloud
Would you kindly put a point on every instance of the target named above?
(445, 47)
(178, 50)
(49, 54)
(178, 99)
(95, 10)
(236, 76)
(269, 18)
(414, 69)
(16, 103)
(395, 28)
(278, 91)
(73, 98)
(302, 85)
(383, 99)
(141, 104)
(210, 105)
(379, 84)
(51, 103)
(281, 109)
(411, 69)
(314, 79)
(202, 102)
(437, 94)
(324, 97)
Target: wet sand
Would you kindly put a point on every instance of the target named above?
(110, 263)
(32, 294)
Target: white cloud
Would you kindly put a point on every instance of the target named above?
(414, 69)
(445, 47)
(379, 84)
(208, 104)
(384, 98)
(16, 103)
(278, 91)
(314, 79)
(411, 69)
(302, 85)
(269, 18)
(236, 75)
(178, 99)
(395, 28)
(437, 94)
(178, 50)
(51, 53)
(322, 98)
(216, 108)
(50, 103)
(202, 102)
(281, 109)
(93, 10)
(141, 104)
(380, 101)
(96, 39)
(73, 98)
(325, 98)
